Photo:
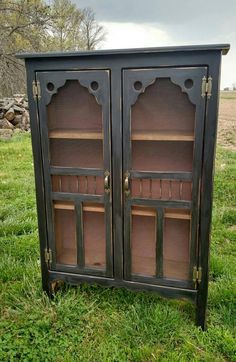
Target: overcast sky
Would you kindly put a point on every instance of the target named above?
(145, 23)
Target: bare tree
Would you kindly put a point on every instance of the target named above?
(22, 25)
(63, 34)
(36, 25)
(92, 33)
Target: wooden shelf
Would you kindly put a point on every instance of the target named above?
(143, 211)
(139, 211)
(162, 136)
(76, 134)
(67, 206)
(177, 214)
(169, 214)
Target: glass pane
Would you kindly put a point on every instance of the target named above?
(76, 153)
(176, 244)
(74, 108)
(162, 156)
(94, 235)
(162, 136)
(143, 241)
(65, 233)
(152, 111)
(75, 128)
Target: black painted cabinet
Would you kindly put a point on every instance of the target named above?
(123, 145)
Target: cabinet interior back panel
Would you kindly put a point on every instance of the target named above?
(176, 242)
(73, 107)
(65, 236)
(163, 106)
(162, 156)
(76, 153)
(94, 238)
(143, 245)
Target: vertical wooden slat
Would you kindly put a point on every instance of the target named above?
(79, 233)
(77, 178)
(95, 185)
(86, 184)
(180, 190)
(150, 188)
(159, 242)
(170, 189)
(59, 179)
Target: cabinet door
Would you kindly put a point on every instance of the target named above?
(74, 115)
(163, 115)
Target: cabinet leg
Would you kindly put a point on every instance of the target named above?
(52, 287)
(201, 310)
(47, 288)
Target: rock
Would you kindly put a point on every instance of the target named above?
(25, 120)
(16, 120)
(17, 131)
(5, 124)
(6, 133)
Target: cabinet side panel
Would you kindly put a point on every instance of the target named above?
(210, 133)
(38, 172)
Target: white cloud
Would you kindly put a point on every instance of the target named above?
(135, 35)
(131, 35)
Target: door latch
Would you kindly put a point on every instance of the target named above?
(107, 181)
(126, 184)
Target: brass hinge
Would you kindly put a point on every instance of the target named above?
(206, 87)
(48, 256)
(36, 90)
(197, 275)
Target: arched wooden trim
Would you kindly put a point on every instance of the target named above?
(84, 80)
(178, 80)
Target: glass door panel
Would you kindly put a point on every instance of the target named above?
(176, 244)
(76, 153)
(163, 115)
(65, 233)
(75, 128)
(94, 235)
(143, 241)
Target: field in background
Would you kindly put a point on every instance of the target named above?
(227, 120)
(90, 323)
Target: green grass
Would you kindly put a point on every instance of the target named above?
(91, 323)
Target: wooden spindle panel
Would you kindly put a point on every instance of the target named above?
(91, 185)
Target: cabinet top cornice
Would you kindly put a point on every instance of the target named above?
(224, 48)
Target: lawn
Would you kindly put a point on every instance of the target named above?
(91, 323)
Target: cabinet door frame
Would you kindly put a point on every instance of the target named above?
(102, 96)
(177, 75)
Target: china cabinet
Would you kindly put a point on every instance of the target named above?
(123, 145)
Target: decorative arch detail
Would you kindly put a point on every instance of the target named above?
(148, 81)
(84, 78)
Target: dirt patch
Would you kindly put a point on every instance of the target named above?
(227, 120)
